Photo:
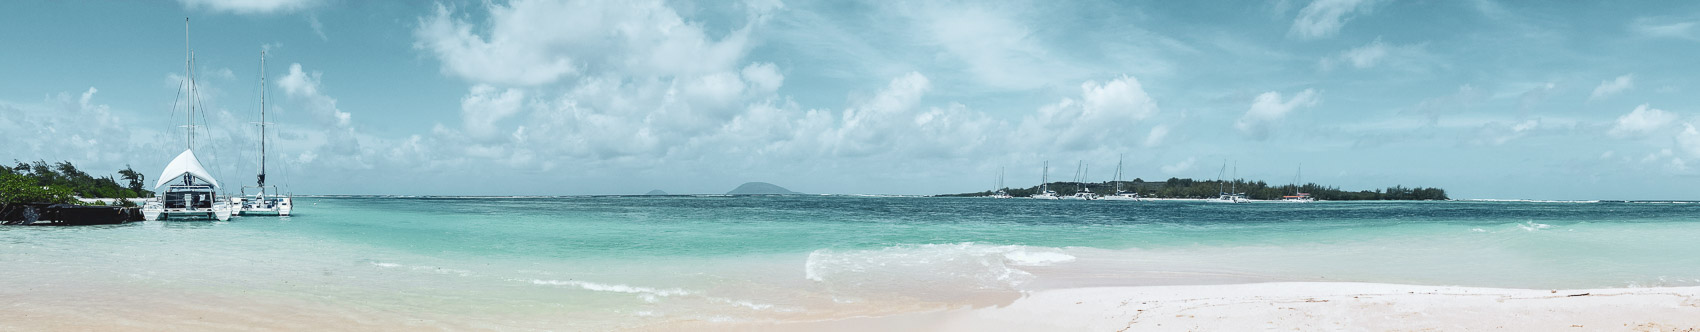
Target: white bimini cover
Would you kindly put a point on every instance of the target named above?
(185, 164)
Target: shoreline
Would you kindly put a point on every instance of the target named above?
(1304, 306)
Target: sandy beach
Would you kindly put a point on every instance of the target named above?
(1307, 306)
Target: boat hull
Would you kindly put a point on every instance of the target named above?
(269, 206)
(154, 212)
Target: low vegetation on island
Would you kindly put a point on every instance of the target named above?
(63, 183)
(1189, 188)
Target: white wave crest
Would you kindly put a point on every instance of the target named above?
(591, 286)
(977, 266)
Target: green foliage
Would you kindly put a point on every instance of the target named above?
(16, 189)
(1189, 188)
(67, 176)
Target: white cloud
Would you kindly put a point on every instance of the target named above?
(764, 77)
(1642, 121)
(1612, 87)
(318, 28)
(1157, 135)
(485, 105)
(1092, 121)
(250, 6)
(1180, 167)
(1324, 18)
(1268, 108)
(1379, 53)
(1664, 28)
(865, 129)
(68, 126)
(534, 42)
(1689, 140)
(1499, 133)
(305, 86)
(1366, 56)
(997, 48)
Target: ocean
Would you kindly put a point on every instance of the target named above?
(593, 263)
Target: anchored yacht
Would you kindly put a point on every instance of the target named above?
(1298, 196)
(1232, 196)
(1120, 195)
(1002, 192)
(192, 192)
(266, 200)
(1081, 192)
(1045, 191)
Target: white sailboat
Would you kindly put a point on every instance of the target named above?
(1226, 196)
(1001, 191)
(1120, 195)
(266, 200)
(1080, 180)
(1045, 191)
(192, 192)
(1298, 196)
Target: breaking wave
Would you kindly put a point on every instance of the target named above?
(930, 266)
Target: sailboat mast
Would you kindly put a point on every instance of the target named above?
(1045, 177)
(1084, 169)
(1118, 178)
(1296, 175)
(189, 115)
(1219, 173)
(262, 175)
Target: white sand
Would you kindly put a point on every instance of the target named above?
(1310, 306)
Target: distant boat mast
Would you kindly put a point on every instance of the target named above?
(189, 78)
(262, 175)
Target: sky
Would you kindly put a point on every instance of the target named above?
(1484, 98)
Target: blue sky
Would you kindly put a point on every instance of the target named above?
(1487, 99)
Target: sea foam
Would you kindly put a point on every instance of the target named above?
(591, 286)
(930, 266)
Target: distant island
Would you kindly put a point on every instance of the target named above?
(656, 192)
(760, 188)
(1189, 188)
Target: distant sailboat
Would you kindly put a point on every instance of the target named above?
(1120, 195)
(192, 192)
(1225, 196)
(1001, 192)
(1080, 180)
(1298, 196)
(1045, 191)
(263, 202)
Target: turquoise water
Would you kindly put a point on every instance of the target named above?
(608, 262)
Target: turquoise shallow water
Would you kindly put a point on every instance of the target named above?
(600, 262)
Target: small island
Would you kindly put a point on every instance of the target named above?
(1201, 189)
(761, 188)
(656, 192)
(63, 194)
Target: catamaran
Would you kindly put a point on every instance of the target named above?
(192, 192)
(1001, 191)
(1120, 195)
(1080, 180)
(266, 200)
(1045, 191)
